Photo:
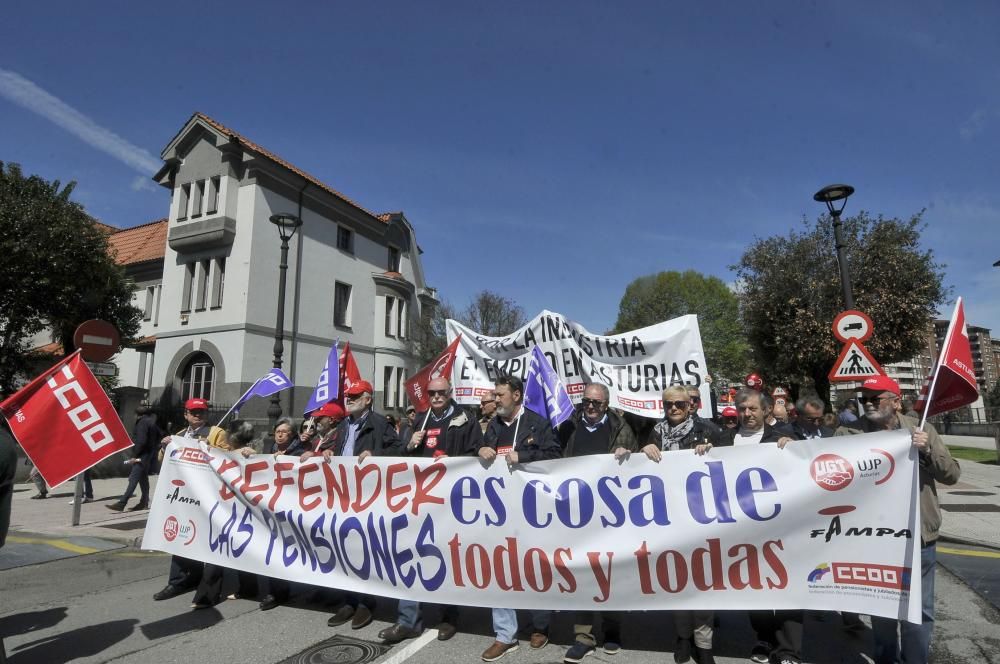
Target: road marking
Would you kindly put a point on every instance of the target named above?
(412, 647)
(965, 552)
(57, 543)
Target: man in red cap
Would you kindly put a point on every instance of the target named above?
(730, 418)
(184, 572)
(362, 433)
(936, 465)
(326, 418)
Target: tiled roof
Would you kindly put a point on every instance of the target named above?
(281, 162)
(139, 243)
(54, 349)
(145, 341)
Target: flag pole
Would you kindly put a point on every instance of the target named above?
(937, 365)
(239, 402)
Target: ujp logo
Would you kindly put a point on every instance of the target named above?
(831, 471)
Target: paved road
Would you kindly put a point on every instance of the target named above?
(97, 608)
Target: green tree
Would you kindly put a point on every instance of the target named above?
(58, 271)
(790, 292)
(658, 297)
(488, 313)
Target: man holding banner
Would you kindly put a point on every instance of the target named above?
(935, 465)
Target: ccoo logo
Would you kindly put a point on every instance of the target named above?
(831, 471)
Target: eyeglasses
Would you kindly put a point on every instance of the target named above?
(679, 405)
(876, 400)
(352, 397)
(814, 420)
(486, 403)
(587, 403)
(438, 393)
(695, 399)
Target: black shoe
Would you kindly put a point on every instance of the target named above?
(168, 592)
(269, 602)
(682, 650)
(446, 630)
(704, 655)
(138, 508)
(116, 507)
(362, 617)
(342, 615)
(39, 496)
(398, 633)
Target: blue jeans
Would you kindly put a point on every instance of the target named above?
(505, 623)
(137, 476)
(408, 614)
(914, 643)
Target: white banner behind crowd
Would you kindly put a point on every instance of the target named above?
(636, 366)
(824, 524)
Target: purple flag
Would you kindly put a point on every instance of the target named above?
(328, 385)
(544, 393)
(273, 381)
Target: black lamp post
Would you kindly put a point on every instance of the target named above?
(830, 195)
(287, 225)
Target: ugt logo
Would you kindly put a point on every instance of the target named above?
(831, 471)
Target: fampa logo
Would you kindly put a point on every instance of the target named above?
(831, 471)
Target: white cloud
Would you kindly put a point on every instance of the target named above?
(974, 125)
(142, 183)
(21, 91)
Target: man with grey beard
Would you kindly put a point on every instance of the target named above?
(883, 412)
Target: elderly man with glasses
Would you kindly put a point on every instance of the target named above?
(487, 409)
(362, 433)
(593, 429)
(935, 465)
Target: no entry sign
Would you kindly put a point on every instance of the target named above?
(97, 340)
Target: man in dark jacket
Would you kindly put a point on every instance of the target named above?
(593, 429)
(444, 430)
(146, 443)
(809, 422)
(362, 433)
(754, 409)
(521, 436)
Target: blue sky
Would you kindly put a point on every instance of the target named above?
(548, 151)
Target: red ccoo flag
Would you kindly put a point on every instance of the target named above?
(64, 421)
(953, 381)
(349, 373)
(416, 385)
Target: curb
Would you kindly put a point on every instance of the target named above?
(967, 541)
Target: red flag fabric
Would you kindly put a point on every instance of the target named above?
(349, 373)
(65, 422)
(954, 384)
(416, 385)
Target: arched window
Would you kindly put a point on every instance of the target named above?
(198, 378)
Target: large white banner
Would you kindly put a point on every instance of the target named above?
(824, 524)
(636, 366)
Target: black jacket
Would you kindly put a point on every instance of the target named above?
(702, 431)
(771, 434)
(799, 433)
(376, 436)
(295, 448)
(462, 437)
(621, 433)
(146, 438)
(536, 441)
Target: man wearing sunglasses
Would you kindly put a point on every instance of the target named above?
(935, 465)
(362, 433)
(445, 430)
(809, 422)
(593, 429)
(694, 395)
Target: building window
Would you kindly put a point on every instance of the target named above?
(156, 306)
(189, 270)
(388, 399)
(182, 204)
(213, 194)
(218, 282)
(198, 378)
(147, 311)
(202, 292)
(400, 388)
(341, 305)
(199, 198)
(393, 259)
(390, 320)
(345, 239)
(402, 320)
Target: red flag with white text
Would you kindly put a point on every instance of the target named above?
(954, 379)
(416, 385)
(65, 422)
(349, 373)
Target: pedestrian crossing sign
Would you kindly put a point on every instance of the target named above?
(854, 363)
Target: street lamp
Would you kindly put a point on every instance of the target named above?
(830, 195)
(287, 225)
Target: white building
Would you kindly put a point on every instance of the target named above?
(207, 279)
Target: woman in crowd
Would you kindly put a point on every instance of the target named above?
(286, 440)
(679, 431)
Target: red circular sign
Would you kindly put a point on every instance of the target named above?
(97, 340)
(831, 471)
(170, 529)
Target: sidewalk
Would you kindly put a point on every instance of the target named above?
(971, 509)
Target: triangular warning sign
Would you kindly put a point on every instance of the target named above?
(854, 363)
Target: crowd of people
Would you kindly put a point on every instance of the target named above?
(503, 430)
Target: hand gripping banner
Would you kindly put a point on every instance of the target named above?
(829, 524)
